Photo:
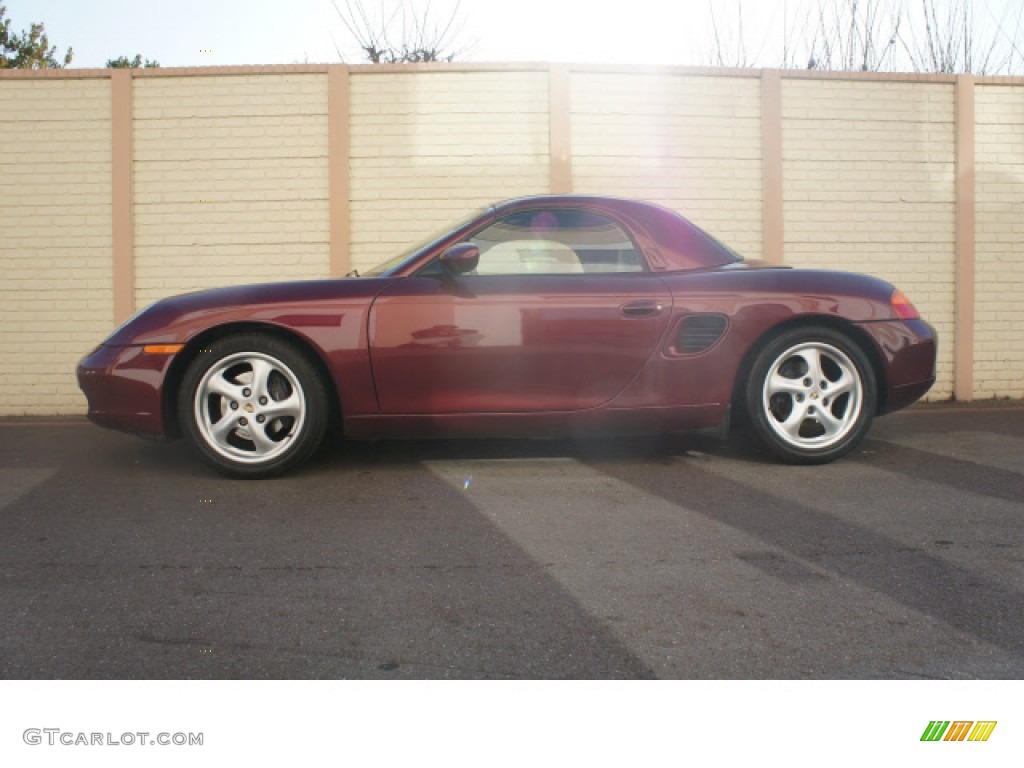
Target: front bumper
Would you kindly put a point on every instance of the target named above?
(124, 387)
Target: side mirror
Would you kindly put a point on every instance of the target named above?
(461, 258)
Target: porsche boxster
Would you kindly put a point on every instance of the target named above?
(540, 316)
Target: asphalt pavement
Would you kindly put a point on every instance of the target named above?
(672, 558)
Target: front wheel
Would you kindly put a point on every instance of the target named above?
(253, 406)
(811, 396)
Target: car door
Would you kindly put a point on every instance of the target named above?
(560, 314)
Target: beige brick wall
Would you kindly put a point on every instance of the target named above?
(55, 239)
(999, 241)
(230, 181)
(426, 148)
(868, 186)
(690, 143)
(231, 184)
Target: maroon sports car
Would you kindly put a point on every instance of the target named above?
(539, 316)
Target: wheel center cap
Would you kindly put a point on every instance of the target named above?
(814, 395)
(249, 408)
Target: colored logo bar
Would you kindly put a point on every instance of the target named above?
(958, 730)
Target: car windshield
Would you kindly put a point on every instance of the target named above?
(387, 267)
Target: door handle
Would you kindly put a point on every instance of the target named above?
(643, 308)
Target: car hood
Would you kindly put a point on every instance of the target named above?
(309, 302)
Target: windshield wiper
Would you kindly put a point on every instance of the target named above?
(353, 273)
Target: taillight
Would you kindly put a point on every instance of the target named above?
(902, 307)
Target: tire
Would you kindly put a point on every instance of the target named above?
(811, 396)
(253, 406)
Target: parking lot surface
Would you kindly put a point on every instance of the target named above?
(635, 558)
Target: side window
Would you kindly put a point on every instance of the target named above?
(555, 242)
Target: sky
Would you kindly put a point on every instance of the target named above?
(218, 32)
(643, 32)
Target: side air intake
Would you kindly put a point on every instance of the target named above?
(700, 332)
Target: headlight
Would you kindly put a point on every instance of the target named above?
(125, 324)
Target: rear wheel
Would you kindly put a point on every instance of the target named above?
(253, 406)
(811, 396)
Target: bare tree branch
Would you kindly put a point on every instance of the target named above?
(943, 36)
(420, 37)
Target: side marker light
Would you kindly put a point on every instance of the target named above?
(163, 349)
